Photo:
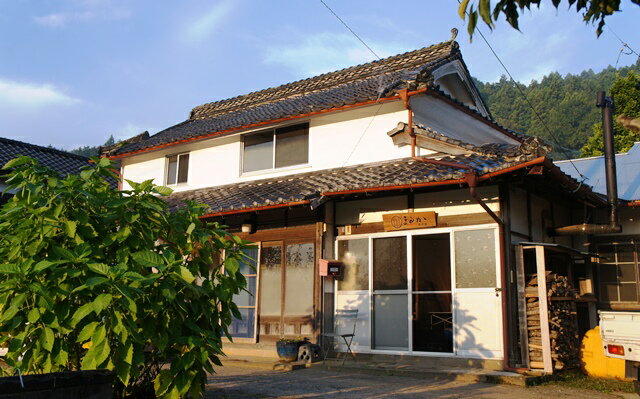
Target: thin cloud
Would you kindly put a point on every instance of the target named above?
(90, 11)
(61, 19)
(29, 95)
(205, 25)
(326, 52)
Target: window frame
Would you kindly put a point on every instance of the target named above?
(615, 262)
(273, 167)
(166, 168)
(256, 305)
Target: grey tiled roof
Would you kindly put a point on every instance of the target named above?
(62, 162)
(531, 147)
(310, 186)
(347, 86)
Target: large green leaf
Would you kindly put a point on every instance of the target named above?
(162, 190)
(70, 227)
(42, 266)
(99, 268)
(186, 275)
(101, 302)
(87, 331)
(81, 313)
(148, 258)
(96, 355)
(10, 269)
(22, 160)
(48, 338)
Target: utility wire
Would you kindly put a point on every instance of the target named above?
(379, 91)
(624, 44)
(524, 95)
(350, 30)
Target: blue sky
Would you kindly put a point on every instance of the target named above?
(72, 72)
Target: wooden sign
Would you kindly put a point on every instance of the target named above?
(412, 220)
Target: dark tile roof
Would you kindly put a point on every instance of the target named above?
(62, 162)
(529, 147)
(335, 89)
(310, 186)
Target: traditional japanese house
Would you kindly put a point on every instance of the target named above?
(395, 168)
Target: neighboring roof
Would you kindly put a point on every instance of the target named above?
(354, 85)
(62, 162)
(312, 186)
(627, 171)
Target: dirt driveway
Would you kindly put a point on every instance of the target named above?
(240, 382)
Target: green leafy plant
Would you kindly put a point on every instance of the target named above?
(96, 278)
(298, 339)
(592, 11)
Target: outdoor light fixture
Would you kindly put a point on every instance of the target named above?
(247, 227)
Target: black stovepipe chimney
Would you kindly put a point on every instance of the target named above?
(606, 103)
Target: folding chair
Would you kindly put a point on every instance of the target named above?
(345, 328)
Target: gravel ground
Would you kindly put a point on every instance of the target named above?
(241, 382)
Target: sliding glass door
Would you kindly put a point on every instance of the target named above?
(432, 317)
(434, 292)
(390, 294)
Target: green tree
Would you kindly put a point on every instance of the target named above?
(90, 150)
(626, 95)
(95, 278)
(592, 11)
(565, 103)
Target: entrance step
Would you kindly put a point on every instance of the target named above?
(263, 363)
(449, 374)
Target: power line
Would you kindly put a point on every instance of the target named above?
(624, 44)
(350, 30)
(379, 89)
(524, 95)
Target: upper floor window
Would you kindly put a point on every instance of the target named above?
(276, 148)
(177, 169)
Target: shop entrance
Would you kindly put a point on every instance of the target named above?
(432, 318)
(433, 292)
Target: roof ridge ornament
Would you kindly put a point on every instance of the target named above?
(454, 34)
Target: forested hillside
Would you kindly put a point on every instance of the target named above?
(567, 105)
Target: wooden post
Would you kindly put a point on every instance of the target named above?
(544, 312)
(522, 306)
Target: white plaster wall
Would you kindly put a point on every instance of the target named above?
(452, 122)
(336, 139)
(444, 203)
(356, 136)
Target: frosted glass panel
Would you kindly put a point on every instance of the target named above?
(390, 322)
(270, 281)
(299, 280)
(475, 259)
(355, 256)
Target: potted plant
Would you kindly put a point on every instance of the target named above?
(288, 348)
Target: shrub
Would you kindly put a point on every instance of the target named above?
(96, 278)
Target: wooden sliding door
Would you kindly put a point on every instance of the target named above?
(286, 289)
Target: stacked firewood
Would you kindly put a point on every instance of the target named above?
(561, 312)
